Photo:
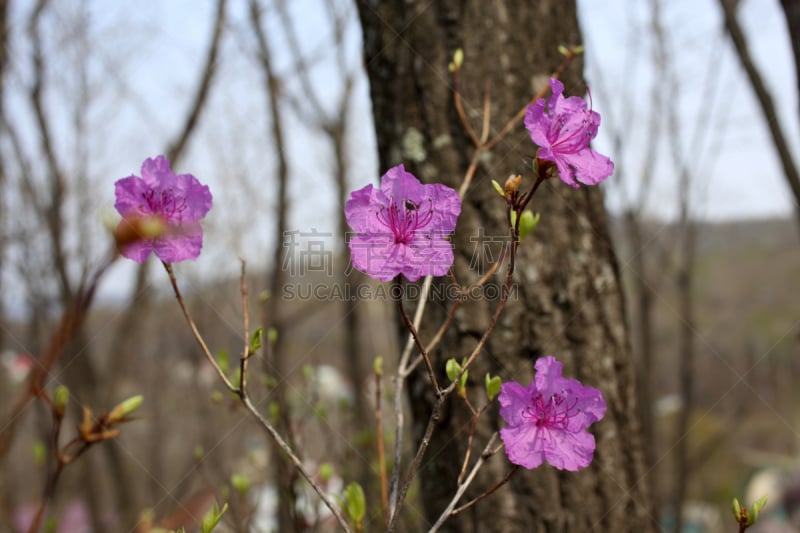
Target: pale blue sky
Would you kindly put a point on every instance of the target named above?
(145, 56)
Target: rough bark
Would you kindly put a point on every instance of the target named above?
(568, 290)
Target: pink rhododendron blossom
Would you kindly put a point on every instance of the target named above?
(547, 420)
(401, 227)
(562, 128)
(176, 201)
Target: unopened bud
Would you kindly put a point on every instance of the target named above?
(60, 400)
(512, 185)
(125, 409)
(240, 483)
(132, 229)
(458, 60)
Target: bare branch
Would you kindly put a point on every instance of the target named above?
(177, 147)
(764, 97)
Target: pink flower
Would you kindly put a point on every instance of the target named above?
(401, 228)
(563, 129)
(176, 201)
(547, 420)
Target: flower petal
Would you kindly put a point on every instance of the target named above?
(185, 243)
(179, 201)
(129, 194)
(402, 227)
(360, 210)
(587, 166)
(566, 450)
(513, 398)
(137, 250)
(524, 445)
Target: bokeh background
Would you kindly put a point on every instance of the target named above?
(267, 102)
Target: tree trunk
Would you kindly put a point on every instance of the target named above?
(568, 298)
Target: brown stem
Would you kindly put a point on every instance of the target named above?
(211, 359)
(472, 425)
(487, 493)
(444, 393)
(417, 341)
(461, 114)
(488, 451)
(70, 322)
(248, 404)
(380, 445)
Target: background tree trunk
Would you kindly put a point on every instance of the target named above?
(568, 301)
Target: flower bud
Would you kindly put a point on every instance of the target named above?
(125, 409)
(60, 400)
(512, 185)
(240, 483)
(133, 229)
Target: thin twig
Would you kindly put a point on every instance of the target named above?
(70, 322)
(380, 445)
(417, 341)
(248, 404)
(398, 396)
(472, 425)
(460, 110)
(487, 493)
(487, 452)
(211, 359)
(436, 338)
(246, 351)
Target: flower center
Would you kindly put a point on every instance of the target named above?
(554, 411)
(404, 218)
(165, 203)
(572, 133)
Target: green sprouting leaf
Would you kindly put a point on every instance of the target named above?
(492, 386)
(499, 189)
(240, 483)
(377, 366)
(760, 503)
(355, 503)
(50, 525)
(452, 368)
(736, 508)
(272, 335)
(274, 411)
(212, 518)
(224, 360)
(256, 339)
(39, 453)
(308, 372)
(325, 472)
(528, 223)
(462, 381)
(458, 58)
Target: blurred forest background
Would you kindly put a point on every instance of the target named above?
(267, 102)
